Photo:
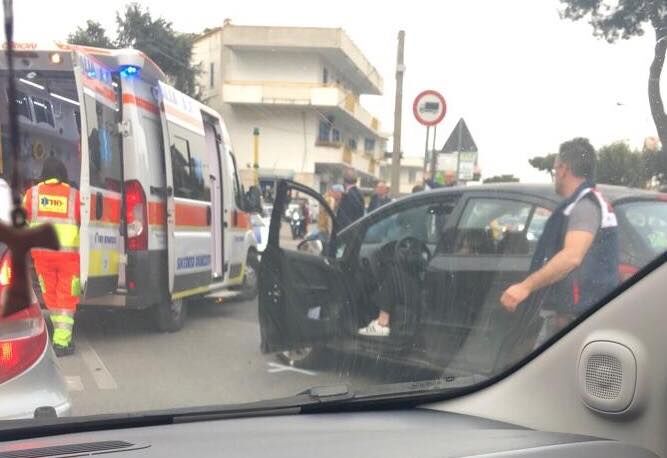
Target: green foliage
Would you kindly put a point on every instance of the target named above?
(170, 50)
(501, 179)
(619, 165)
(91, 35)
(543, 163)
(625, 20)
(156, 37)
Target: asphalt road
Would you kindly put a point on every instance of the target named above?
(123, 365)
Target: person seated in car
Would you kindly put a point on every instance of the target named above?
(402, 274)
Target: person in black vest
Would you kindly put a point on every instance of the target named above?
(351, 206)
(576, 259)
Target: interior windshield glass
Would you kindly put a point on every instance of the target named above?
(251, 202)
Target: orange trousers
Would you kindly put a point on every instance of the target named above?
(58, 274)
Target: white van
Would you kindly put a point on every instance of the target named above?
(163, 215)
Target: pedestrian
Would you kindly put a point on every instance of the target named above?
(576, 259)
(380, 196)
(351, 206)
(332, 198)
(53, 201)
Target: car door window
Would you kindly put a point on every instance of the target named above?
(494, 227)
(424, 222)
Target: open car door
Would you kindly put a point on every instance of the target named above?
(301, 293)
(101, 181)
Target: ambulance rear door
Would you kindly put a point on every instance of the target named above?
(101, 182)
(188, 194)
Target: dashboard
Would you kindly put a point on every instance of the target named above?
(401, 433)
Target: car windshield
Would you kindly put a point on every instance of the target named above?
(254, 199)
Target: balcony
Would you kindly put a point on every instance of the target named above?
(283, 93)
(333, 44)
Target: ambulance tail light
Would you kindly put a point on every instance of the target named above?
(136, 216)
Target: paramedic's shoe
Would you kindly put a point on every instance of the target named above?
(64, 351)
(375, 330)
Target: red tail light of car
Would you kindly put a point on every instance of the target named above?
(23, 337)
(627, 271)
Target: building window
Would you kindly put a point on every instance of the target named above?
(352, 144)
(412, 176)
(325, 76)
(211, 74)
(324, 133)
(335, 135)
(369, 145)
(384, 174)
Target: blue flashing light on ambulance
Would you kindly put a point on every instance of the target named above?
(156, 171)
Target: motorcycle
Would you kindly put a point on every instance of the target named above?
(298, 225)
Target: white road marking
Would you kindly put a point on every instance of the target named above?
(99, 371)
(73, 383)
(275, 367)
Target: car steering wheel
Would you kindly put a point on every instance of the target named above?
(412, 253)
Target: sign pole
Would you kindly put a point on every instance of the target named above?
(426, 150)
(458, 155)
(434, 154)
(429, 109)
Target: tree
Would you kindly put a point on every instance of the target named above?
(170, 50)
(501, 179)
(543, 163)
(136, 28)
(623, 21)
(92, 35)
(619, 165)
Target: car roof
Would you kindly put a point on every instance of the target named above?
(546, 191)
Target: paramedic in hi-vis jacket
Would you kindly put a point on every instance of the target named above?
(54, 201)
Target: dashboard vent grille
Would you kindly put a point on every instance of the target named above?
(69, 449)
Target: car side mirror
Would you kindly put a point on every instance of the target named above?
(253, 200)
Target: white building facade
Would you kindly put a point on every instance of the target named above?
(300, 87)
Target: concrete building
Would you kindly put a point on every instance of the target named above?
(301, 88)
(412, 173)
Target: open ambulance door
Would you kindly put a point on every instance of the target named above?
(101, 181)
(188, 194)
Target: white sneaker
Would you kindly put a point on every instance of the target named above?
(374, 329)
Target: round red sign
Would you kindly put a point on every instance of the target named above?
(429, 108)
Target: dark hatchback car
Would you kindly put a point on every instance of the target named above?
(473, 243)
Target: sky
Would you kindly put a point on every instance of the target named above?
(524, 79)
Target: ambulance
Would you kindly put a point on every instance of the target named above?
(164, 218)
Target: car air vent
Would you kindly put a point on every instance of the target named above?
(85, 449)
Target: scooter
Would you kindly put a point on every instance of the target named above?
(298, 225)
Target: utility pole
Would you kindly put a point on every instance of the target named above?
(398, 110)
(255, 155)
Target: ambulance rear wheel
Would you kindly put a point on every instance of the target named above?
(170, 315)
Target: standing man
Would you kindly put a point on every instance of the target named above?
(576, 260)
(54, 201)
(380, 196)
(351, 206)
